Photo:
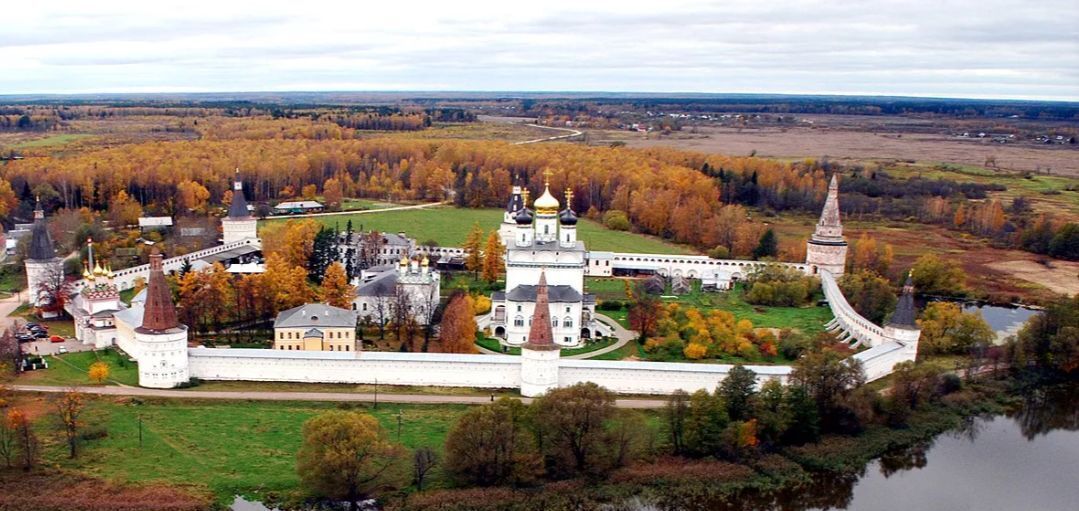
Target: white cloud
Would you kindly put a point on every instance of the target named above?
(989, 48)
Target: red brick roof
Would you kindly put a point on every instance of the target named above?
(540, 336)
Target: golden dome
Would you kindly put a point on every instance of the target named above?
(98, 270)
(425, 261)
(546, 204)
(86, 272)
(404, 261)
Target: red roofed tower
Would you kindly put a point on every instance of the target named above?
(160, 314)
(539, 355)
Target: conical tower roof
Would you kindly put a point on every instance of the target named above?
(159, 314)
(540, 337)
(904, 310)
(41, 247)
(238, 208)
(829, 227)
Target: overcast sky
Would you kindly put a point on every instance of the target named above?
(973, 48)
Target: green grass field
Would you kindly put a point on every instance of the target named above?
(55, 140)
(450, 226)
(810, 319)
(231, 448)
(72, 369)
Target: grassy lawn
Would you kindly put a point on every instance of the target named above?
(494, 345)
(12, 279)
(808, 319)
(72, 368)
(632, 349)
(237, 447)
(449, 227)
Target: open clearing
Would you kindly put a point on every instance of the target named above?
(839, 145)
(449, 227)
(1063, 277)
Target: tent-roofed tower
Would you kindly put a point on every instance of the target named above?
(827, 249)
(902, 326)
(42, 265)
(160, 339)
(239, 224)
(539, 355)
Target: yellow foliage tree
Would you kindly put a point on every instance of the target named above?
(493, 264)
(336, 289)
(99, 372)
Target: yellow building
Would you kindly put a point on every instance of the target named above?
(315, 327)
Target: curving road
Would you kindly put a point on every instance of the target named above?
(572, 133)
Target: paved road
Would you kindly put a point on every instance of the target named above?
(624, 336)
(361, 211)
(305, 396)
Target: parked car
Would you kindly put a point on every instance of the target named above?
(24, 337)
(56, 338)
(40, 334)
(37, 326)
(63, 349)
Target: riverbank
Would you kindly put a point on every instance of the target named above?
(709, 484)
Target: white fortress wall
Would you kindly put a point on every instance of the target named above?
(656, 377)
(877, 362)
(426, 369)
(448, 370)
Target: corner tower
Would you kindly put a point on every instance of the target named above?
(161, 339)
(539, 355)
(827, 249)
(42, 265)
(902, 327)
(239, 224)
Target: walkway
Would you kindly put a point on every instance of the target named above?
(361, 211)
(623, 335)
(305, 396)
(572, 133)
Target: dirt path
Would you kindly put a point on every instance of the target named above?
(303, 396)
(361, 211)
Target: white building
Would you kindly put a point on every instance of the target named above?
(414, 280)
(93, 308)
(239, 224)
(544, 242)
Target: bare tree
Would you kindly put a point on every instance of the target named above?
(423, 460)
(427, 307)
(383, 312)
(403, 322)
(8, 440)
(370, 246)
(10, 350)
(53, 290)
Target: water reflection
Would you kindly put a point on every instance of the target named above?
(1023, 461)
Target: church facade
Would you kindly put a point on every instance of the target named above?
(543, 242)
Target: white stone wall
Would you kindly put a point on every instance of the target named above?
(238, 230)
(163, 358)
(37, 271)
(444, 370)
(517, 335)
(631, 377)
(428, 369)
(693, 267)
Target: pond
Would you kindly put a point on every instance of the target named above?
(1024, 461)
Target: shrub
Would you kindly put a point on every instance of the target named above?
(950, 383)
(616, 220)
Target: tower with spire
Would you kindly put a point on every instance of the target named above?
(902, 326)
(539, 354)
(827, 249)
(42, 265)
(160, 340)
(239, 224)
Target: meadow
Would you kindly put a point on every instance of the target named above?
(231, 448)
(450, 226)
(73, 369)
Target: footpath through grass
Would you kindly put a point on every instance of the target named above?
(449, 227)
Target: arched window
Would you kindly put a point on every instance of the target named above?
(567, 322)
(519, 321)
